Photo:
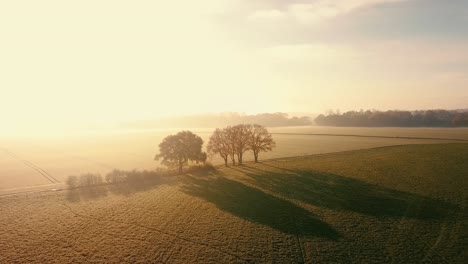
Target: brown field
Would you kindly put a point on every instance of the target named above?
(402, 204)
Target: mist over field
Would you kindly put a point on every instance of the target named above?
(234, 131)
(101, 151)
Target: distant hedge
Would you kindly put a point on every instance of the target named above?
(122, 176)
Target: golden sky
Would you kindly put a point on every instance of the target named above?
(66, 62)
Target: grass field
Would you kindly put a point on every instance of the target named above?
(413, 132)
(400, 204)
(32, 162)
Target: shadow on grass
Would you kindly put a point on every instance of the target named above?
(88, 193)
(343, 193)
(126, 189)
(257, 206)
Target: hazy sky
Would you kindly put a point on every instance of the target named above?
(76, 61)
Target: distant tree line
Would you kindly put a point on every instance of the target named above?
(395, 118)
(225, 119)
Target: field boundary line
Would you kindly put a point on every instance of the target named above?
(367, 136)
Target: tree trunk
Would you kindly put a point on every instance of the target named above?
(256, 156)
(180, 166)
(225, 161)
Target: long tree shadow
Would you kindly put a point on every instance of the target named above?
(343, 193)
(257, 206)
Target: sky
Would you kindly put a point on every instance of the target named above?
(70, 62)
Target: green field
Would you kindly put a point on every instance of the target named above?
(399, 204)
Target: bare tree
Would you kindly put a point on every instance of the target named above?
(240, 142)
(72, 181)
(259, 140)
(89, 179)
(219, 144)
(231, 143)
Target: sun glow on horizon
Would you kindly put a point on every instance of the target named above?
(68, 64)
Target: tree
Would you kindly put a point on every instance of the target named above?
(177, 150)
(394, 118)
(72, 181)
(240, 137)
(259, 140)
(219, 144)
(231, 143)
(460, 119)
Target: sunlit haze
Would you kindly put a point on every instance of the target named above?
(233, 131)
(64, 63)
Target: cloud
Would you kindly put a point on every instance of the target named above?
(272, 14)
(316, 11)
(417, 52)
(309, 52)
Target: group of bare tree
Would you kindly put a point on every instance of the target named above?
(127, 177)
(84, 180)
(233, 141)
(185, 148)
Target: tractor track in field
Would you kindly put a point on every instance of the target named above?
(38, 169)
(74, 156)
(175, 236)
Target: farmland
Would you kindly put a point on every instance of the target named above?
(400, 204)
(24, 161)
